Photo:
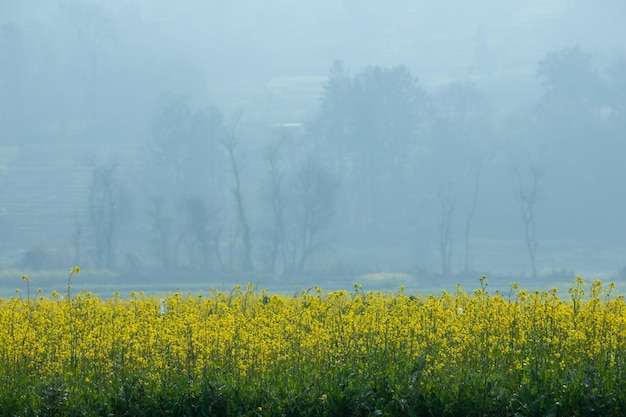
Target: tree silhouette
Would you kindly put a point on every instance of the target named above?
(527, 196)
(370, 126)
(231, 144)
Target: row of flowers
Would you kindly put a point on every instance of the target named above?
(491, 348)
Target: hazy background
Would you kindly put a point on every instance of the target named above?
(165, 145)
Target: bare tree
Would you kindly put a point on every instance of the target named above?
(230, 143)
(277, 200)
(316, 190)
(107, 204)
(446, 216)
(470, 215)
(185, 163)
(182, 146)
(170, 141)
(527, 195)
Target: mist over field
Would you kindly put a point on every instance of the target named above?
(164, 145)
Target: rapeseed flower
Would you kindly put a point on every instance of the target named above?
(251, 339)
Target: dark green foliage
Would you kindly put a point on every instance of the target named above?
(349, 393)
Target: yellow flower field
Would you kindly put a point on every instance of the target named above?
(246, 352)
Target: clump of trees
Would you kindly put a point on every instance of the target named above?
(384, 173)
(382, 163)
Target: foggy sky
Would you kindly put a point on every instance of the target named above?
(237, 48)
